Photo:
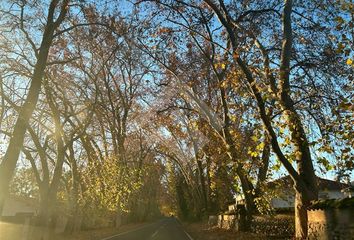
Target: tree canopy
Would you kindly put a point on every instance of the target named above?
(152, 107)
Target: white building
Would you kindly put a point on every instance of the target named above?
(284, 194)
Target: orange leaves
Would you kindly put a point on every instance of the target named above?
(164, 30)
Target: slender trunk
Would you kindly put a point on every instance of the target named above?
(263, 169)
(246, 185)
(247, 189)
(208, 187)
(202, 184)
(71, 225)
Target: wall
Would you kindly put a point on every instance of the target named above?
(280, 226)
(331, 224)
(13, 206)
(227, 222)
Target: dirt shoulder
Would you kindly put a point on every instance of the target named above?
(201, 231)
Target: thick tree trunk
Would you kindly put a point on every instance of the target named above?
(301, 204)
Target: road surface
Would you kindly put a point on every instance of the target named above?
(165, 229)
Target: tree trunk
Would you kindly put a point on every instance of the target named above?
(247, 189)
(303, 198)
(304, 177)
(300, 216)
(71, 225)
(13, 150)
(208, 187)
(262, 173)
(246, 185)
(8, 164)
(202, 184)
(41, 230)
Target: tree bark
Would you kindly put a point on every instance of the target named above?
(301, 219)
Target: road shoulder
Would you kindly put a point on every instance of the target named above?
(201, 231)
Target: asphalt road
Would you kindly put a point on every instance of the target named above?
(165, 229)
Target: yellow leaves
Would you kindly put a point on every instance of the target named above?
(221, 66)
(287, 141)
(350, 62)
(253, 153)
(223, 84)
(260, 146)
(324, 162)
(233, 118)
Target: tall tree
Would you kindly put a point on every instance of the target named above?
(304, 178)
(57, 12)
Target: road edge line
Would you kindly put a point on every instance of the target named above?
(129, 231)
(189, 236)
